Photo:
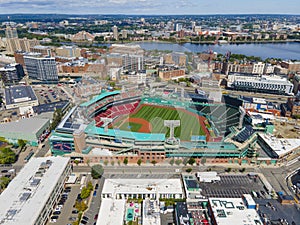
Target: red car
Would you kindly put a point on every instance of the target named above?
(96, 217)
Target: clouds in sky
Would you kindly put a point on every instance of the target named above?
(150, 6)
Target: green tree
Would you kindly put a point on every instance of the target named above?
(21, 143)
(80, 206)
(105, 162)
(185, 161)
(153, 162)
(203, 160)
(188, 170)
(4, 181)
(90, 186)
(139, 162)
(125, 161)
(119, 162)
(57, 116)
(242, 170)
(228, 169)
(172, 161)
(76, 162)
(191, 161)
(112, 163)
(97, 171)
(7, 156)
(85, 193)
(178, 162)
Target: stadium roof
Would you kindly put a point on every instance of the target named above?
(17, 94)
(99, 97)
(92, 129)
(28, 125)
(26, 195)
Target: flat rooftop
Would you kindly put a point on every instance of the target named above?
(280, 146)
(228, 211)
(17, 94)
(28, 125)
(111, 212)
(27, 194)
(142, 186)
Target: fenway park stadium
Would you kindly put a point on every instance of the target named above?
(159, 124)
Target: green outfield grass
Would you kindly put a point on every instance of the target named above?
(190, 125)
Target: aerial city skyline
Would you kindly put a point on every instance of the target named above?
(148, 112)
(152, 7)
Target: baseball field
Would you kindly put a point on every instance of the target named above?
(150, 119)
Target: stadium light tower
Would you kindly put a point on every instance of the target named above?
(106, 121)
(243, 113)
(172, 124)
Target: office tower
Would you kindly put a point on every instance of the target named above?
(41, 68)
(115, 32)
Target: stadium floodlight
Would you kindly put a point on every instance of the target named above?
(243, 113)
(106, 121)
(172, 124)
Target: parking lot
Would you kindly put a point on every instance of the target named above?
(232, 186)
(272, 211)
(93, 210)
(65, 207)
(49, 94)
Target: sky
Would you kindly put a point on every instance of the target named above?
(151, 7)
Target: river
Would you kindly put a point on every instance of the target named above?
(285, 51)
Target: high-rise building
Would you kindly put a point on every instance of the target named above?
(68, 51)
(24, 44)
(115, 32)
(11, 32)
(193, 24)
(124, 34)
(41, 68)
(133, 62)
(44, 50)
(11, 74)
(178, 27)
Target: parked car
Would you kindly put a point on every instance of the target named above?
(56, 212)
(96, 217)
(85, 218)
(72, 218)
(75, 211)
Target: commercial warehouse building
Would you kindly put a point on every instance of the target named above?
(144, 188)
(112, 211)
(264, 83)
(229, 211)
(28, 129)
(30, 197)
(19, 96)
(278, 147)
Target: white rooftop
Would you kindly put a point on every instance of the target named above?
(208, 176)
(151, 212)
(26, 195)
(111, 212)
(280, 146)
(101, 152)
(27, 125)
(142, 186)
(231, 211)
